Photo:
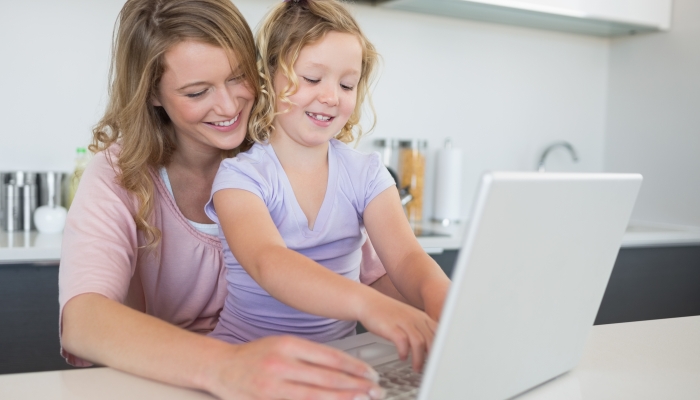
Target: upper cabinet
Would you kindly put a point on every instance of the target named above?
(592, 17)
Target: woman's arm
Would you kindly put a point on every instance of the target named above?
(414, 273)
(109, 333)
(99, 256)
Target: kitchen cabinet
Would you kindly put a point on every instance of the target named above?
(29, 315)
(652, 283)
(646, 283)
(593, 17)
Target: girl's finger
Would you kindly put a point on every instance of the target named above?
(417, 349)
(401, 341)
(429, 333)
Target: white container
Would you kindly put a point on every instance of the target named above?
(448, 184)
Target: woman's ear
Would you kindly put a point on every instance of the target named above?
(155, 102)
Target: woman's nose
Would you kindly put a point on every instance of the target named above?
(328, 95)
(226, 104)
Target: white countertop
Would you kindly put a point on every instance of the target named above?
(636, 360)
(46, 248)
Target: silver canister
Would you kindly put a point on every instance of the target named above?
(51, 188)
(389, 151)
(20, 194)
(13, 215)
(29, 200)
(3, 200)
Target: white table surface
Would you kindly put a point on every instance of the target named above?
(637, 360)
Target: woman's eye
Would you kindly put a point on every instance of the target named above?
(194, 95)
(237, 78)
(312, 80)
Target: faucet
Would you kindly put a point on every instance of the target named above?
(566, 145)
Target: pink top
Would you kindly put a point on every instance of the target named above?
(181, 281)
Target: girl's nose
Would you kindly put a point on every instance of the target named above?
(329, 95)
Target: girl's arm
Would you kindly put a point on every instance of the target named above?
(415, 274)
(308, 286)
(110, 333)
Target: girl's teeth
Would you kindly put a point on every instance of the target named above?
(318, 117)
(226, 123)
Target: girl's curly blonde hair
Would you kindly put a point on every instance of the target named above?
(284, 32)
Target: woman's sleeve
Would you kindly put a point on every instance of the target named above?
(99, 249)
(371, 268)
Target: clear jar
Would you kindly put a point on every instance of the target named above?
(412, 175)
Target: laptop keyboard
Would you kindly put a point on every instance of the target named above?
(399, 380)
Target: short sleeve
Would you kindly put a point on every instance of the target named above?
(240, 172)
(378, 179)
(100, 241)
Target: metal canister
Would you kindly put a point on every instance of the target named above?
(24, 200)
(29, 200)
(389, 151)
(3, 200)
(50, 189)
(13, 215)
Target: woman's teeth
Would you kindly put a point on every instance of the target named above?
(318, 117)
(226, 123)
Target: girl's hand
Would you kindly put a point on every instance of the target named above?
(285, 367)
(409, 328)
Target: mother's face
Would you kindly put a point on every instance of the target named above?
(206, 97)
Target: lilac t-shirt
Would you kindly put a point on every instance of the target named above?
(354, 179)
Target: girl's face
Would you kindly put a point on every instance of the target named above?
(206, 97)
(328, 72)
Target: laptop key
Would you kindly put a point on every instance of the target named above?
(399, 380)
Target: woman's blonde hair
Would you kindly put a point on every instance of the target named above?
(284, 32)
(145, 31)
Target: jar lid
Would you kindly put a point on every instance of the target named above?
(20, 178)
(420, 144)
(393, 143)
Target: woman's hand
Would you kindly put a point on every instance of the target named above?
(285, 367)
(409, 328)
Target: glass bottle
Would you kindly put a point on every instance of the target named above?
(81, 160)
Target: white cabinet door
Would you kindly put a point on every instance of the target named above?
(654, 13)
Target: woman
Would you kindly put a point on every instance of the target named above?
(141, 275)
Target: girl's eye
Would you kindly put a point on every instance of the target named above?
(194, 95)
(312, 80)
(346, 87)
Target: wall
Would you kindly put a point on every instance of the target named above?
(501, 93)
(653, 123)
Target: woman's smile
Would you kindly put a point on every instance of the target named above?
(225, 126)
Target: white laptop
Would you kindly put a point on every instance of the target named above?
(525, 291)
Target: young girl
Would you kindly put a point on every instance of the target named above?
(292, 208)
